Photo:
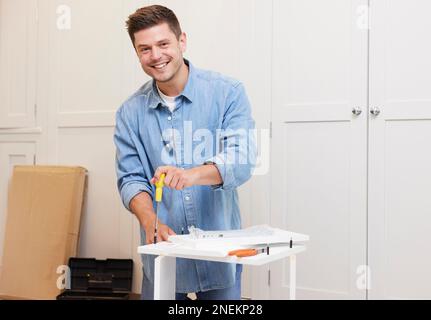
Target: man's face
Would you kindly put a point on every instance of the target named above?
(160, 52)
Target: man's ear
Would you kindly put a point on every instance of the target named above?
(183, 42)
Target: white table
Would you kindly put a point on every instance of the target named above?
(165, 263)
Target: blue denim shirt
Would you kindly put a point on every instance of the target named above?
(212, 122)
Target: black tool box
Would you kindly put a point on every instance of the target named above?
(92, 279)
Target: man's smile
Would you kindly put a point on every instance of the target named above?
(160, 66)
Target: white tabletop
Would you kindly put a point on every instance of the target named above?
(181, 251)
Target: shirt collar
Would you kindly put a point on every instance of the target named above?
(188, 92)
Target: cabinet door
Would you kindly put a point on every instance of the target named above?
(18, 28)
(318, 167)
(399, 154)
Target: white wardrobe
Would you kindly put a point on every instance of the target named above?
(351, 156)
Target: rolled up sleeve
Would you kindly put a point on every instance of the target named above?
(131, 179)
(236, 156)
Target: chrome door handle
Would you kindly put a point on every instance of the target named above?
(356, 111)
(375, 111)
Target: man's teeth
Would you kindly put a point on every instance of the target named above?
(160, 66)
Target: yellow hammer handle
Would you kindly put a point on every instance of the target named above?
(159, 187)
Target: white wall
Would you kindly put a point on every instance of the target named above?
(60, 89)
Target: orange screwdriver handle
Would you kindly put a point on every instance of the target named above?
(243, 253)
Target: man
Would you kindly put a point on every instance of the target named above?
(159, 129)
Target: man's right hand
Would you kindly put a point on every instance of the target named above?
(142, 206)
(163, 231)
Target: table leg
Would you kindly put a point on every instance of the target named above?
(164, 278)
(292, 288)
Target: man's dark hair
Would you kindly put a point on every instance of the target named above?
(151, 16)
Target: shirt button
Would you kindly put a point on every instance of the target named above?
(187, 198)
(169, 118)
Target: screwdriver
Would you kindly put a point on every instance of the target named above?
(159, 193)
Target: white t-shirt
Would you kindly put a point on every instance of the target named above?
(170, 101)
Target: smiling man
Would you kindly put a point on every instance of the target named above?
(183, 101)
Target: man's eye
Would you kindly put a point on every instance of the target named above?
(164, 44)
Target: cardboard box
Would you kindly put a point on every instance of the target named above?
(42, 229)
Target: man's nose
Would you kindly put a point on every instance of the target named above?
(155, 53)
